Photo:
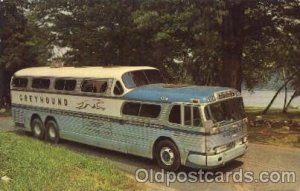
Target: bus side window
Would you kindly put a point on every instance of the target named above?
(192, 116)
(130, 108)
(41, 83)
(70, 85)
(87, 86)
(150, 110)
(187, 115)
(94, 86)
(174, 116)
(59, 84)
(207, 114)
(62, 84)
(101, 87)
(118, 89)
(197, 118)
(19, 82)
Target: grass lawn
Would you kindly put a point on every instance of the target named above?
(275, 136)
(274, 114)
(34, 165)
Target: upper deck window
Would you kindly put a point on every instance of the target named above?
(94, 86)
(118, 89)
(19, 82)
(40, 83)
(64, 84)
(142, 77)
(142, 110)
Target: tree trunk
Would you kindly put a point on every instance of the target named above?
(276, 94)
(295, 94)
(2, 87)
(233, 39)
(285, 89)
(285, 99)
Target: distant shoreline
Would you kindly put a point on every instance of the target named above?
(261, 98)
(265, 90)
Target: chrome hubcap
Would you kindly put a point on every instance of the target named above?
(52, 133)
(167, 156)
(37, 129)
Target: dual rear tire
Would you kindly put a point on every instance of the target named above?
(48, 132)
(52, 134)
(38, 128)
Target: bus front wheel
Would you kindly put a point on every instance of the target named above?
(167, 155)
(38, 128)
(52, 134)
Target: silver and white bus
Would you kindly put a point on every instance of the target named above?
(131, 110)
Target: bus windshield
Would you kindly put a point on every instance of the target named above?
(142, 77)
(226, 111)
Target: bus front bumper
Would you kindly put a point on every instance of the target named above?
(212, 161)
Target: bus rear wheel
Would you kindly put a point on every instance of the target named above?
(167, 155)
(38, 128)
(52, 134)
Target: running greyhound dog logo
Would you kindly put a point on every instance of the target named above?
(93, 104)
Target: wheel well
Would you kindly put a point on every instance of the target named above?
(159, 140)
(34, 116)
(48, 118)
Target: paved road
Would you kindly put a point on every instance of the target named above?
(259, 158)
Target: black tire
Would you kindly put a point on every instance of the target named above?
(38, 128)
(52, 133)
(167, 155)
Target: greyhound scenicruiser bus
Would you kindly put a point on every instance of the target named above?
(131, 110)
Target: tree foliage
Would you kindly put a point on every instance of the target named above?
(231, 43)
(20, 44)
(221, 42)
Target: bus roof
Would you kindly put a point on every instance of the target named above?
(173, 93)
(80, 72)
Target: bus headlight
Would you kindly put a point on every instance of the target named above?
(211, 151)
(242, 141)
(220, 149)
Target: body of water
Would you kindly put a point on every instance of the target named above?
(262, 99)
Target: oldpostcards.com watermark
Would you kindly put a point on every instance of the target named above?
(241, 176)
